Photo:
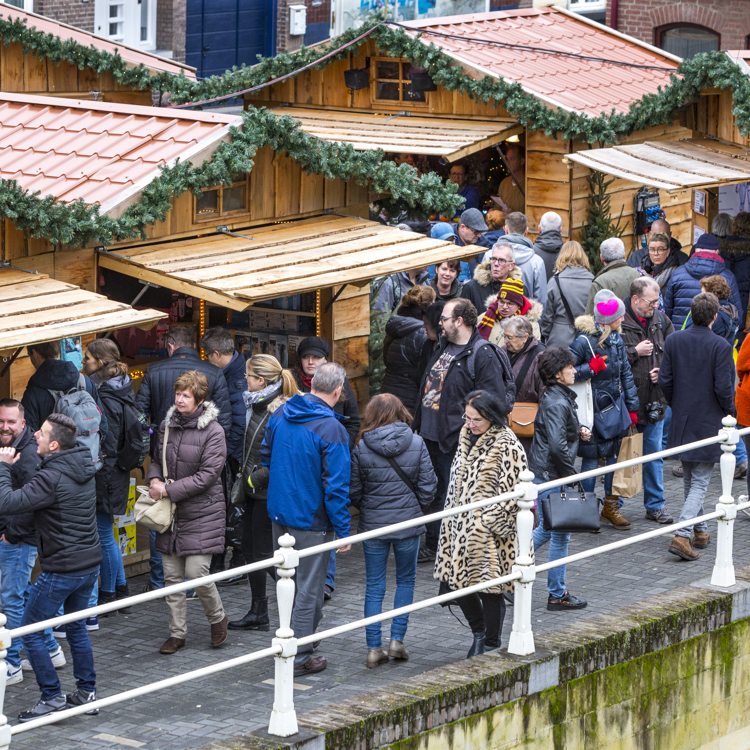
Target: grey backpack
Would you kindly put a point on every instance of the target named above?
(79, 405)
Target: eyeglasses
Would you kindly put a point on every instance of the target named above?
(658, 249)
(249, 375)
(649, 302)
(475, 422)
(511, 337)
(499, 261)
(445, 317)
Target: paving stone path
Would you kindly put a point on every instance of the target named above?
(239, 700)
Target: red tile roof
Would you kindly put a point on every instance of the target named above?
(571, 82)
(103, 153)
(87, 39)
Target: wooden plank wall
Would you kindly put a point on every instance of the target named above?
(713, 116)
(677, 206)
(30, 74)
(547, 180)
(351, 329)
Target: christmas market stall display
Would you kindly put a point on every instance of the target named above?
(46, 57)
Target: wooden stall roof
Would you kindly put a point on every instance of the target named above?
(62, 31)
(35, 308)
(451, 138)
(671, 165)
(280, 260)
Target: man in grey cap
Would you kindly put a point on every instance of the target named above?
(471, 227)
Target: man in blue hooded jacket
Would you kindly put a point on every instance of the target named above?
(307, 449)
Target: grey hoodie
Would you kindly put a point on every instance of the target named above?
(394, 288)
(557, 328)
(529, 263)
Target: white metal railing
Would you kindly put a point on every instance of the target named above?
(283, 720)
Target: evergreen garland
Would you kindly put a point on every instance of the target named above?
(79, 224)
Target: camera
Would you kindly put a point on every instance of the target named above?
(655, 412)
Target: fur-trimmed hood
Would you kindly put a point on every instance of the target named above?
(734, 245)
(210, 413)
(587, 324)
(484, 277)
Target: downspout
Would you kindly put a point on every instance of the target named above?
(613, 14)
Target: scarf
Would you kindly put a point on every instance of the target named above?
(489, 319)
(654, 269)
(524, 350)
(306, 379)
(255, 397)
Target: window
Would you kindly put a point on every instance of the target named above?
(132, 22)
(393, 83)
(222, 201)
(23, 4)
(687, 40)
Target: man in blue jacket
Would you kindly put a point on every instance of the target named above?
(307, 449)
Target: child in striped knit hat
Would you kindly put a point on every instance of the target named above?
(510, 301)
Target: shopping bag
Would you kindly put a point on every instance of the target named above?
(584, 402)
(628, 482)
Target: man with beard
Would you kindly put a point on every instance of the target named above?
(18, 546)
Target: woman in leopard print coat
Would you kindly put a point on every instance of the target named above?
(480, 545)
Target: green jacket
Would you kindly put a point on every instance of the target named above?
(616, 276)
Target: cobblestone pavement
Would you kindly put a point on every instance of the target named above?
(239, 700)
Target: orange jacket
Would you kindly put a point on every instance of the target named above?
(742, 398)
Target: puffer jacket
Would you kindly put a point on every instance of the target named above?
(156, 393)
(685, 284)
(112, 482)
(62, 496)
(736, 254)
(20, 527)
(557, 327)
(383, 498)
(234, 374)
(196, 453)
(614, 380)
(402, 348)
(556, 434)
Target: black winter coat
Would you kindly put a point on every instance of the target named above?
(234, 374)
(697, 379)
(616, 379)
(736, 254)
(54, 375)
(556, 434)
(402, 349)
(62, 497)
(156, 393)
(20, 527)
(347, 407)
(383, 498)
(112, 482)
(489, 375)
(547, 246)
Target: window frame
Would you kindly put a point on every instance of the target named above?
(659, 32)
(220, 214)
(131, 23)
(401, 103)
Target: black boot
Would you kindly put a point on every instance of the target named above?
(255, 619)
(477, 647)
(237, 560)
(122, 592)
(217, 563)
(105, 597)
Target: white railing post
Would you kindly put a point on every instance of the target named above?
(283, 721)
(521, 636)
(4, 646)
(723, 573)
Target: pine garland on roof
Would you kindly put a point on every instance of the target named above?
(80, 224)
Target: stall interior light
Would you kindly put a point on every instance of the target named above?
(513, 139)
(202, 324)
(317, 313)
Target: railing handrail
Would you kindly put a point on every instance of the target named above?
(284, 645)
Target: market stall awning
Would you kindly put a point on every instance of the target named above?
(451, 138)
(671, 165)
(281, 260)
(35, 308)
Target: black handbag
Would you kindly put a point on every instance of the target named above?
(570, 510)
(611, 416)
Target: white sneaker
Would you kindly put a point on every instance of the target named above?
(13, 674)
(57, 656)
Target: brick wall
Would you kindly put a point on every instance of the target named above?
(72, 12)
(729, 18)
(170, 27)
(315, 14)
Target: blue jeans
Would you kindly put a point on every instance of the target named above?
(331, 572)
(558, 548)
(653, 471)
(112, 569)
(376, 562)
(156, 579)
(665, 429)
(16, 564)
(587, 464)
(740, 454)
(50, 591)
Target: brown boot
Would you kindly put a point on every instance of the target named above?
(219, 633)
(171, 645)
(681, 547)
(376, 657)
(700, 539)
(611, 513)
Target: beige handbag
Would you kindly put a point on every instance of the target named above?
(157, 515)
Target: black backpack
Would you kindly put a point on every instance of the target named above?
(508, 378)
(135, 439)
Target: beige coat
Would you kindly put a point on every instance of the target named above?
(534, 315)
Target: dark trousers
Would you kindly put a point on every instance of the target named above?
(441, 463)
(485, 614)
(258, 544)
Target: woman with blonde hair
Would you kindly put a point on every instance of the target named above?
(567, 295)
(269, 386)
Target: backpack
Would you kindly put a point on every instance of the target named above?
(135, 439)
(79, 405)
(508, 379)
